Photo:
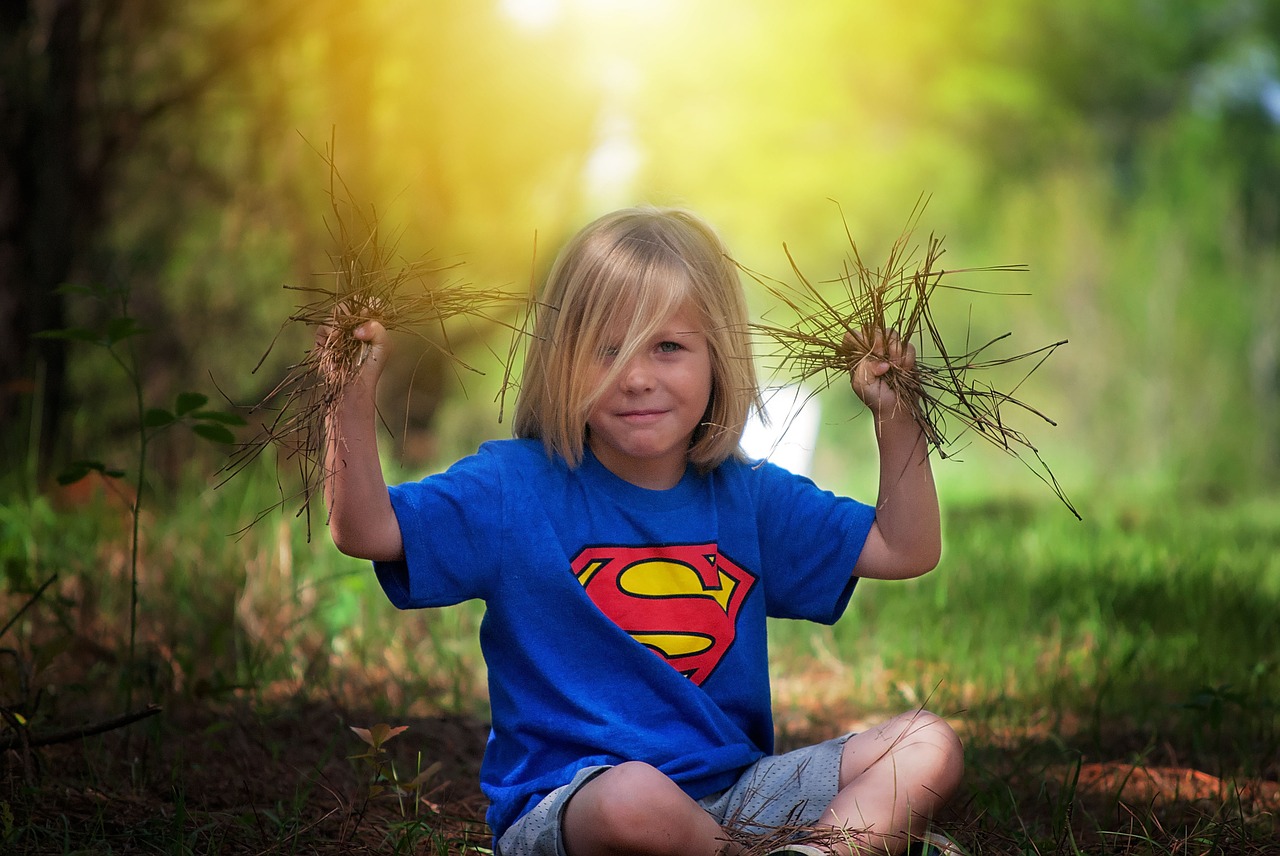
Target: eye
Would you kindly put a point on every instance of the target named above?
(608, 352)
(669, 347)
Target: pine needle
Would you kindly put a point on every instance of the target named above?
(947, 395)
(369, 281)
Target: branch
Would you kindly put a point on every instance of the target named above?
(13, 741)
(44, 585)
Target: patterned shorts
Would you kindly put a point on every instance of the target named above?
(791, 789)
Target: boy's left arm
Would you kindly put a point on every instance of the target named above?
(906, 538)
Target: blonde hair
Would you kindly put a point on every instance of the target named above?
(629, 271)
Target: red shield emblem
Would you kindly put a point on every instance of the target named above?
(682, 602)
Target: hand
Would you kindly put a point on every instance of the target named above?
(884, 362)
(342, 361)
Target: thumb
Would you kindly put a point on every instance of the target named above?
(377, 347)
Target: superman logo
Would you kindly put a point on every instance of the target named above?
(681, 602)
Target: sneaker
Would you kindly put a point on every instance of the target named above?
(934, 844)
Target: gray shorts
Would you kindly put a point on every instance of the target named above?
(792, 789)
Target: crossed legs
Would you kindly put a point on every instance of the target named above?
(893, 777)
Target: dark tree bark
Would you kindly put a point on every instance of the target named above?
(47, 201)
(82, 86)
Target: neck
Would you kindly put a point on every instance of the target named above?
(651, 475)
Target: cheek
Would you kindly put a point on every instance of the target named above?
(594, 380)
(705, 386)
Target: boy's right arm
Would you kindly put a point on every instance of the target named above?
(361, 520)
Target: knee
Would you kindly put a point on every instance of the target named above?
(918, 747)
(934, 750)
(634, 793)
(628, 806)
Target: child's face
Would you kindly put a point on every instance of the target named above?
(643, 423)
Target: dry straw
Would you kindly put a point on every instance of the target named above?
(945, 394)
(369, 281)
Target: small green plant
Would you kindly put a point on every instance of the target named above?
(418, 826)
(117, 337)
(382, 779)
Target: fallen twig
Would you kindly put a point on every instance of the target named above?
(27, 739)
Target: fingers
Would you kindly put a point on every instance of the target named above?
(372, 332)
(880, 347)
(874, 353)
(353, 354)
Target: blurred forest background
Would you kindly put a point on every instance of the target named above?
(1128, 153)
(164, 187)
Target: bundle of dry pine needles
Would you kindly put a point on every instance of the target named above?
(832, 335)
(369, 281)
(751, 839)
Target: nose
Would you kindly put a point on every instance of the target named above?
(637, 375)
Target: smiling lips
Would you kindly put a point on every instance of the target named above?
(641, 415)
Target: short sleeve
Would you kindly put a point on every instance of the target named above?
(810, 540)
(452, 526)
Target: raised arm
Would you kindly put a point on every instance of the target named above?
(361, 521)
(906, 538)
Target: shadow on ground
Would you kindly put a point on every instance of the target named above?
(232, 780)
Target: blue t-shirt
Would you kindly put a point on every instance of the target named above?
(622, 624)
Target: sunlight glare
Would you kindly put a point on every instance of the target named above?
(612, 40)
(612, 167)
(542, 14)
(532, 14)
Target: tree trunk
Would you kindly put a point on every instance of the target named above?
(44, 203)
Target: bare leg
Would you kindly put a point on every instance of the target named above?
(892, 780)
(634, 810)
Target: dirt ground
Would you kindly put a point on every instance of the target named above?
(228, 778)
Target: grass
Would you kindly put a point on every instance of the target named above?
(1069, 653)
(1092, 666)
(1183, 595)
(1033, 610)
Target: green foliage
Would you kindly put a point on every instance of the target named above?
(113, 337)
(1120, 150)
(6, 821)
(20, 530)
(1144, 635)
(1153, 615)
(1149, 624)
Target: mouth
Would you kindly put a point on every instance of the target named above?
(641, 415)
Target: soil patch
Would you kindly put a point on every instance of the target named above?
(234, 780)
